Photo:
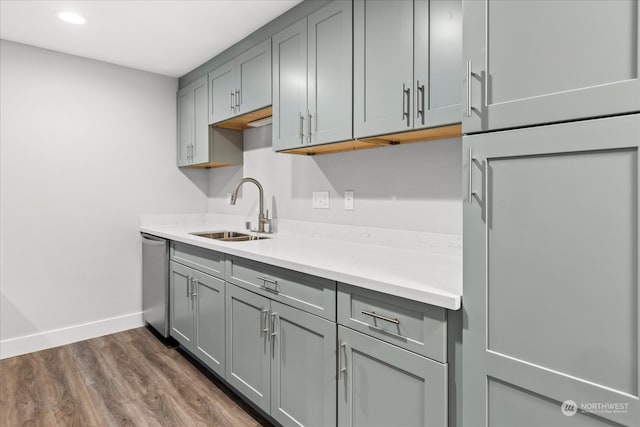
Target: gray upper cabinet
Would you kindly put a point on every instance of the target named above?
(551, 273)
(381, 385)
(406, 79)
(549, 61)
(193, 129)
(312, 79)
(242, 85)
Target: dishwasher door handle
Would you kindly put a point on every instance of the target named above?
(151, 242)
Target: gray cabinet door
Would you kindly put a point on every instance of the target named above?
(290, 86)
(303, 368)
(209, 300)
(200, 122)
(383, 385)
(181, 311)
(222, 86)
(550, 61)
(248, 345)
(330, 65)
(253, 78)
(185, 126)
(437, 63)
(551, 275)
(383, 66)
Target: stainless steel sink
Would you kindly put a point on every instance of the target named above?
(229, 236)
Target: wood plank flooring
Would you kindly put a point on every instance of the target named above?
(125, 379)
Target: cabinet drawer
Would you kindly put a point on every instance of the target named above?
(205, 260)
(412, 325)
(309, 293)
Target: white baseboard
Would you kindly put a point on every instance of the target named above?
(49, 339)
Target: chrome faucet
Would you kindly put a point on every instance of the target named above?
(262, 218)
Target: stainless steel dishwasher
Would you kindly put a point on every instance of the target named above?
(155, 283)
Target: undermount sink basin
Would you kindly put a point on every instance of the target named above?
(230, 236)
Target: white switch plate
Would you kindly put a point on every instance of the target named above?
(320, 200)
(348, 200)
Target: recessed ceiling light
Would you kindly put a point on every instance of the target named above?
(71, 18)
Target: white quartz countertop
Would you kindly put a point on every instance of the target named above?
(432, 277)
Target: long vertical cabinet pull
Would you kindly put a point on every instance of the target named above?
(470, 189)
(273, 333)
(232, 106)
(301, 128)
(309, 128)
(264, 320)
(237, 100)
(342, 366)
(469, 74)
(420, 100)
(406, 103)
(188, 287)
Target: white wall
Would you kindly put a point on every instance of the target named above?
(86, 147)
(412, 186)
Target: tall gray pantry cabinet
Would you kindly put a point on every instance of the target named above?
(551, 214)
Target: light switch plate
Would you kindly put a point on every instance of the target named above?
(320, 200)
(348, 200)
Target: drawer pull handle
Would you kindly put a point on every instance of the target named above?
(378, 316)
(267, 279)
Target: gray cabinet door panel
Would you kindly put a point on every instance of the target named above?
(248, 345)
(205, 260)
(383, 66)
(222, 85)
(185, 125)
(303, 368)
(421, 328)
(209, 343)
(290, 86)
(551, 270)
(384, 385)
(181, 312)
(437, 62)
(253, 78)
(330, 74)
(541, 62)
(200, 122)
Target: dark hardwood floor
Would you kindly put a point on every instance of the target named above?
(125, 379)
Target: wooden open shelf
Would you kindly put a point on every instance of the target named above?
(422, 135)
(240, 123)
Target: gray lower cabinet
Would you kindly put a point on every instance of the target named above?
(312, 79)
(383, 385)
(281, 358)
(551, 274)
(197, 314)
(533, 62)
(193, 124)
(407, 64)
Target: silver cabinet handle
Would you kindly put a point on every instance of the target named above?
(342, 368)
(470, 189)
(420, 100)
(188, 287)
(264, 321)
(194, 288)
(378, 316)
(469, 74)
(300, 128)
(268, 280)
(309, 127)
(237, 100)
(273, 325)
(406, 103)
(232, 107)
